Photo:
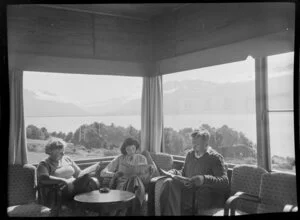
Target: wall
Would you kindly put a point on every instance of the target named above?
(202, 26)
(202, 35)
(81, 39)
(195, 36)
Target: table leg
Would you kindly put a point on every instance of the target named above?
(79, 210)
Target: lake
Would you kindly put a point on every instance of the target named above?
(281, 125)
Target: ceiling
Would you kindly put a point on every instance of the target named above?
(134, 11)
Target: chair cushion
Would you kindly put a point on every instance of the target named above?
(246, 178)
(159, 187)
(277, 190)
(162, 160)
(28, 210)
(21, 184)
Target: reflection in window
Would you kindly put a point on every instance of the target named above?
(92, 114)
(219, 98)
(282, 140)
(281, 111)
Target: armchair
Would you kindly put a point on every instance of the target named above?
(22, 193)
(277, 194)
(245, 182)
(50, 194)
(245, 186)
(162, 160)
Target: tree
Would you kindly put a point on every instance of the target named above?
(34, 132)
(69, 137)
(45, 133)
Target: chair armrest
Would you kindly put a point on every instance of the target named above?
(51, 187)
(290, 208)
(232, 200)
(151, 194)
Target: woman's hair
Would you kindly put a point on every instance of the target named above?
(54, 145)
(203, 133)
(128, 142)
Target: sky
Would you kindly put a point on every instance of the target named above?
(89, 89)
(82, 89)
(233, 72)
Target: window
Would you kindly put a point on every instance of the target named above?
(219, 98)
(92, 113)
(281, 111)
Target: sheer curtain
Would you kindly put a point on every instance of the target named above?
(152, 114)
(17, 134)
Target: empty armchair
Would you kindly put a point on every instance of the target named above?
(22, 193)
(244, 190)
(277, 193)
(277, 190)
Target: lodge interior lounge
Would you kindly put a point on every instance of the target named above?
(152, 41)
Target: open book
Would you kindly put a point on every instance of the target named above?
(88, 170)
(142, 170)
(182, 179)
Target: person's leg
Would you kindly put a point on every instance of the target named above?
(204, 199)
(170, 199)
(187, 201)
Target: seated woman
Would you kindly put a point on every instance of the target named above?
(122, 171)
(60, 169)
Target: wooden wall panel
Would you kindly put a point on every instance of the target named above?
(48, 31)
(56, 32)
(271, 44)
(164, 41)
(202, 26)
(122, 39)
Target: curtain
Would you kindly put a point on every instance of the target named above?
(152, 114)
(17, 134)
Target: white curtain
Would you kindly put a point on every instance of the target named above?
(152, 114)
(17, 134)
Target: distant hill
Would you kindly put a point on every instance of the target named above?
(184, 97)
(33, 106)
(200, 97)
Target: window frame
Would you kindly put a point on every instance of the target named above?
(80, 161)
(264, 158)
(268, 111)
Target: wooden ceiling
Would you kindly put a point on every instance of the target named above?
(144, 12)
(139, 39)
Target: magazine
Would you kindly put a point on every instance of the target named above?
(182, 179)
(89, 170)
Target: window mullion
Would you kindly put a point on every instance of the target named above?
(262, 116)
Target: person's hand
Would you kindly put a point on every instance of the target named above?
(177, 177)
(184, 180)
(198, 180)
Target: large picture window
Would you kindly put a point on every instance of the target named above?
(92, 113)
(281, 111)
(219, 98)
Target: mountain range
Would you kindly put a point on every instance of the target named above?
(184, 97)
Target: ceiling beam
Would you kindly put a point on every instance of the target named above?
(180, 6)
(89, 11)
